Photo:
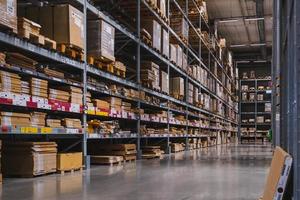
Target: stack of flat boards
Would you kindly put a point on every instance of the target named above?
(28, 159)
(151, 152)
(127, 151)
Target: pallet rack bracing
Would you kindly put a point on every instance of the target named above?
(208, 124)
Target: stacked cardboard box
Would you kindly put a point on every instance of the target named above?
(71, 123)
(39, 87)
(151, 152)
(10, 82)
(25, 87)
(19, 60)
(184, 62)
(15, 119)
(179, 55)
(164, 82)
(128, 151)
(150, 74)
(115, 103)
(180, 26)
(126, 106)
(101, 106)
(190, 97)
(101, 40)
(8, 13)
(2, 58)
(53, 18)
(75, 94)
(162, 5)
(54, 123)
(28, 159)
(38, 119)
(196, 95)
(53, 73)
(69, 161)
(177, 87)
(173, 53)
(154, 29)
(59, 95)
(176, 147)
(165, 43)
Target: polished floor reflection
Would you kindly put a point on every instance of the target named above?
(218, 173)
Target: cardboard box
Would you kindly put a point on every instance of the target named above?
(164, 82)
(154, 28)
(101, 40)
(69, 161)
(161, 4)
(101, 104)
(180, 26)
(184, 62)
(8, 13)
(28, 158)
(179, 55)
(278, 175)
(177, 86)
(173, 53)
(165, 43)
(53, 18)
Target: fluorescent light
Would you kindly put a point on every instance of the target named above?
(260, 61)
(237, 45)
(255, 19)
(243, 61)
(228, 21)
(258, 45)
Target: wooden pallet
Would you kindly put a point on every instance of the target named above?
(149, 84)
(177, 96)
(62, 172)
(107, 160)
(7, 29)
(50, 44)
(32, 37)
(129, 158)
(41, 173)
(146, 40)
(71, 51)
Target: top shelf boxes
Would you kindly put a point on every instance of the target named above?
(8, 13)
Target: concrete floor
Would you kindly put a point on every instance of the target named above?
(222, 173)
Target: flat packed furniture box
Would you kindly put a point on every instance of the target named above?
(278, 175)
(154, 29)
(101, 40)
(69, 161)
(62, 23)
(28, 159)
(8, 13)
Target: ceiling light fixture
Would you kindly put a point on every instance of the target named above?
(228, 21)
(255, 19)
(237, 45)
(258, 45)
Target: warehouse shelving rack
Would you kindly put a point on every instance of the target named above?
(257, 134)
(133, 38)
(285, 75)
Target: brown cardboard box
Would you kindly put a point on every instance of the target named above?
(101, 39)
(28, 158)
(173, 53)
(154, 28)
(180, 26)
(164, 82)
(274, 182)
(113, 101)
(8, 13)
(179, 55)
(69, 161)
(177, 86)
(53, 18)
(71, 123)
(184, 62)
(101, 104)
(165, 46)
(161, 4)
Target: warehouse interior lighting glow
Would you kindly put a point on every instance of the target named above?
(255, 19)
(228, 21)
(258, 45)
(238, 45)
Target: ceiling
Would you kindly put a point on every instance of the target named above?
(246, 25)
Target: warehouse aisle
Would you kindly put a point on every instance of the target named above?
(216, 173)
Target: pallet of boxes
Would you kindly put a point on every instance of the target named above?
(8, 13)
(150, 75)
(28, 159)
(150, 152)
(101, 48)
(69, 39)
(112, 153)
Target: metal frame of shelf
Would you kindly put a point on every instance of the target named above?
(89, 9)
